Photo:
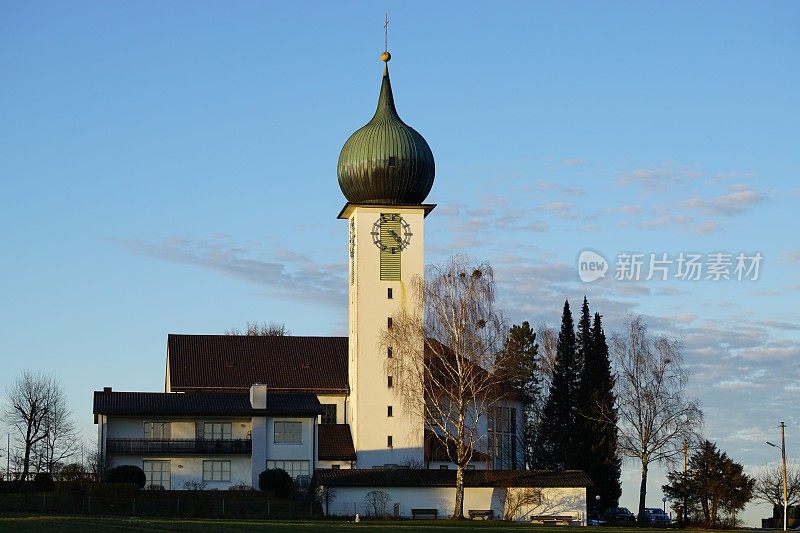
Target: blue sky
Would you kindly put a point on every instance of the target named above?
(171, 167)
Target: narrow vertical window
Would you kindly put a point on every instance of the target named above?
(388, 410)
(389, 322)
(389, 382)
(389, 293)
(389, 352)
(389, 441)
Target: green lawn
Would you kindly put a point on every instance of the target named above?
(45, 523)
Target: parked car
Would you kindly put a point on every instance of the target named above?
(619, 515)
(654, 515)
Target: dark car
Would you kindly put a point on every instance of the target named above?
(619, 515)
(654, 515)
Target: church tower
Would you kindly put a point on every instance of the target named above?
(385, 170)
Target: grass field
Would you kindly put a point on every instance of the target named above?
(44, 523)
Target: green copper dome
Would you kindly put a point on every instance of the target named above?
(386, 162)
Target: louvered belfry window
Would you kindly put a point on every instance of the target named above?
(390, 252)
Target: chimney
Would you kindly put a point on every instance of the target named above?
(258, 396)
(106, 389)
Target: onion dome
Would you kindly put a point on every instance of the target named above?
(386, 162)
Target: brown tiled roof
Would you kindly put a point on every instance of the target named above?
(202, 404)
(446, 478)
(436, 451)
(235, 362)
(336, 443)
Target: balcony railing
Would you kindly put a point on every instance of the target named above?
(180, 446)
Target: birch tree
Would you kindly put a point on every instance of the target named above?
(444, 361)
(655, 415)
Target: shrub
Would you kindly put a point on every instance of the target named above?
(194, 485)
(241, 486)
(44, 482)
(277, 481)
(130, 474)
(154, 487)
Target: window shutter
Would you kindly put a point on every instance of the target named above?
(390, 262)
(200, 430)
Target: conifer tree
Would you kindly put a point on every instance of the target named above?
(555, 435)
(518, 363)
(597, 420)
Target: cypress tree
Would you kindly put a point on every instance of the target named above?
(597, 421)
(556, 431)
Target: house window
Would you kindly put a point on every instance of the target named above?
(392, 161)
(157, 430)
(389, 382)
(294, 468)
(329, 416)
(389, 323)
(442, 467)
(217, 431)
(469, 467)
(389, 352)
(157, 473)
(389, 441)
(389, 410)
(502, 426)
(389, 293)
(288, 433)
(335, 467)
(216, 470)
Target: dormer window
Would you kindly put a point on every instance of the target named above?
(392, 161)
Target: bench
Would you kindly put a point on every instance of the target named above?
(484, 514)
(552, 520)
(429, 514)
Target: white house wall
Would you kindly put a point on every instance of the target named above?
(340, 400)
(190, 469)
(348, 501)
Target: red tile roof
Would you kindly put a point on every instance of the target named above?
(202, 404)
(235, 362)
(336, 443)
(377, 477)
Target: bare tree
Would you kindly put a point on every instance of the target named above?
(546, 338)
(254, 329)
(61, 439)
(31, 402)
(655, 416)
(769, 485)
(443, 361)
(376, 502)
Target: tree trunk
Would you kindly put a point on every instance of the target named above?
(643, 494)
(458, 510)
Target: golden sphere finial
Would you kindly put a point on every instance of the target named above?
(385, 57)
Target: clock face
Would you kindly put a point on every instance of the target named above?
(391, 233)
(352, 238)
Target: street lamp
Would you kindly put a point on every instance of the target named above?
(782, 447)
(664, 501)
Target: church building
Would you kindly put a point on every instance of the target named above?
(234, 405)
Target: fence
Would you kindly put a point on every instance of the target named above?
(200, 504)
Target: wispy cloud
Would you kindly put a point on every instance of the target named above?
(283, 272)
(732, 203)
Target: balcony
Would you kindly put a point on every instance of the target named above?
(179, 446)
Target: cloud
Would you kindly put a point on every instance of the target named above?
(652, 179)
(733, 203)
(561, 210)
(792, 256)
(284, 272)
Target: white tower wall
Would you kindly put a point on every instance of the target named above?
(369, 309)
